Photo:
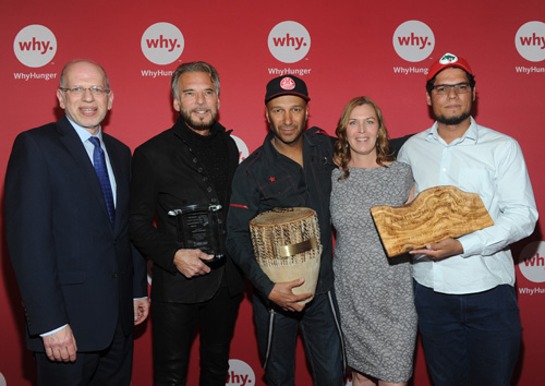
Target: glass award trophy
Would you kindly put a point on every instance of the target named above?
(198, 226)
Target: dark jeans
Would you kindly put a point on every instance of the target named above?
(277, 337)
(174, 326)
(109, 367)
(471, 339)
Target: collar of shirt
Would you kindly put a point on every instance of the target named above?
(470, 137)
(83, 134)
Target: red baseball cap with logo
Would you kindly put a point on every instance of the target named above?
(448, 60)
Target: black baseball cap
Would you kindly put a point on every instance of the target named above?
(286, 85)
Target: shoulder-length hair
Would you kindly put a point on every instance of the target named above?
(342, 155)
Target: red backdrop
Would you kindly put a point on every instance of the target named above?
(341, 49)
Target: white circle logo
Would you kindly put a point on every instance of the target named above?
(240, 373)
(413, 41)
(35, 46)
(162, 43)
(242, 148)
(2, 380)
(530, 41)
(289, 42)
(532, 262)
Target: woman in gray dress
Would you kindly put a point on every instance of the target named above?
(375, 294)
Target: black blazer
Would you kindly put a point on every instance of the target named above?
(71, 265)
(168, 175)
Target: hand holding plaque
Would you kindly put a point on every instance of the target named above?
(435, 214)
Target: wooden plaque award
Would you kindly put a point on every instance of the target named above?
(435, 214)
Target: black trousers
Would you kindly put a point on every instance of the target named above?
(174, 326)
(109, 367)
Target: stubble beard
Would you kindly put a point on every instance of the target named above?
(456, 120)
(283, 140)
(198, 125)
(452, 121)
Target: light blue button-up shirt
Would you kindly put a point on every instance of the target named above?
(84, 135)
(488, 163)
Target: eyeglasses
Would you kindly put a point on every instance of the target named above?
(80, 90)
(459, 88)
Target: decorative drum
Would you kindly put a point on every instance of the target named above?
(287, 246)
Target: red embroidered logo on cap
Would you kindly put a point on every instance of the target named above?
(287, 83)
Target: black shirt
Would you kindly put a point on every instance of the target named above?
(268, 179)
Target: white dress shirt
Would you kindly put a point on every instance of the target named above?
(488, 163)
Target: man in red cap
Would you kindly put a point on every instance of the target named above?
(464, 288)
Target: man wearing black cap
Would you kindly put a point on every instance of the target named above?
(291, 169)
(464, 288)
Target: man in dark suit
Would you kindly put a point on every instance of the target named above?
(82, 283)
(195, 283)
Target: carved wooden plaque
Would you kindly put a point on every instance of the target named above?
(435, 214)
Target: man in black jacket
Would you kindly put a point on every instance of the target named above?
(291, 169)
(180, 193)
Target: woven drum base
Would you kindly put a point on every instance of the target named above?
(287, 246)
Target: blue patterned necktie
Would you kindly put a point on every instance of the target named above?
(102, 173)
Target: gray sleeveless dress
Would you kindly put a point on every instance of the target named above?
(375, 295)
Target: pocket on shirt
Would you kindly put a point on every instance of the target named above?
(480, 181)
(276, 188)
